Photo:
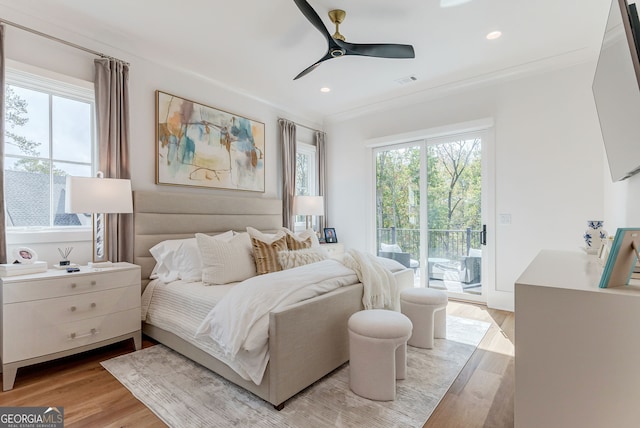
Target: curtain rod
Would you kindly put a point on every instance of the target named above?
(64, 42)
(302, 126)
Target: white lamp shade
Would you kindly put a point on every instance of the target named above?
(308, 205)
(98, 195)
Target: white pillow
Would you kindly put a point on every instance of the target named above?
(391, 264)
(295, 258)
(390, 248)
(225, 261)
(180, 259)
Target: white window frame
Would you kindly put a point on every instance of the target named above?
(30, 77)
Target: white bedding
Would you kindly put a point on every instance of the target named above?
(239, 323)
(188, 308)
(179, 308)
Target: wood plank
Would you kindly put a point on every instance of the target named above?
(482, 395)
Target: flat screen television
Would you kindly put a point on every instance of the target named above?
(616, 90)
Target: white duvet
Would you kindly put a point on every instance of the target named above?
(239, 323)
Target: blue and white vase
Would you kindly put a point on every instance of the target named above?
(594, 235)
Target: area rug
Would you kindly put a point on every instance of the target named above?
(185, 394)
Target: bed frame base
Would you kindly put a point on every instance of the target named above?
(311, 341)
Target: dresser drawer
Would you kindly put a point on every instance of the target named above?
(27, 316)
(68, 284)
(20, 345)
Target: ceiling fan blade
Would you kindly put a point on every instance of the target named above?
(380, 50)
(313, 67)
(313, 18)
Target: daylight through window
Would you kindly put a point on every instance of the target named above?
(49, 134)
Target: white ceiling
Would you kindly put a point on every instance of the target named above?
(257, 47)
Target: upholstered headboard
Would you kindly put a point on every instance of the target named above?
(168, 215)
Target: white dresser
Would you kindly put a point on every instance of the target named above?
(576, 346)
(54, 314)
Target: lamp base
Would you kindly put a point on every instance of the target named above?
(97, 265)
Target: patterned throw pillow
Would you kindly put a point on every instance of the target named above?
(266, 248)
(298, 241)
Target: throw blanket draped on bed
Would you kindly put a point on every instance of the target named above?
(380, 287)
(239, 323)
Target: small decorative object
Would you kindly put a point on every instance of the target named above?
(623, 258)
(25, 255)
(65, 256)
(594, 235)
(330, 236)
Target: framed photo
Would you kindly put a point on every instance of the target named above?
(25, 255)
(622, 259)
(330, 236)
(201, 146)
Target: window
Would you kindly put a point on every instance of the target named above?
(49, 134)
(306, 169)
(306, 176)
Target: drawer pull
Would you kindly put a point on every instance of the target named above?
(92, 332)
(92, 284)
(93, 305)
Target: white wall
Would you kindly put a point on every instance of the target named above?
(145, 78)
(548, 166)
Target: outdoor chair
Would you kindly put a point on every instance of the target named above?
(393, 251)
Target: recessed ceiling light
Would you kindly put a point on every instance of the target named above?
(452, 3)
(494, 35)
(325, 89)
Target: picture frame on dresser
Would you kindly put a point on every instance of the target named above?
(622, 259)
(330, 236)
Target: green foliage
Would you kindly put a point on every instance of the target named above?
(16, 110)
(453, 186)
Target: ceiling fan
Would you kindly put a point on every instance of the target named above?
(337, 46)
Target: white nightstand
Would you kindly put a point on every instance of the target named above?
(335, 250)
(53, 314)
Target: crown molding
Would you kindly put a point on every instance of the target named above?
(442, 89)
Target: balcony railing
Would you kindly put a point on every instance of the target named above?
(449, 244)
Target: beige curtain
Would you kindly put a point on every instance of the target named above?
(3, 224)
(321, 157)
(288, 137)
(112, 113)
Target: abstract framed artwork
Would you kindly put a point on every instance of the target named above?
(201, 146)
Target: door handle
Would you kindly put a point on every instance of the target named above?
(483, 235)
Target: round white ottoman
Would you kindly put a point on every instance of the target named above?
(426, 308)
(377, 352)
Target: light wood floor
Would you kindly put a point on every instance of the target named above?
(482, 396)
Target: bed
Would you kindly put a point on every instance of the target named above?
(307, 340)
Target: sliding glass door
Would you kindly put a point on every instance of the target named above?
(429, 211)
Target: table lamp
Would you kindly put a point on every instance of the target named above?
(98, 196)
(308, 206)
